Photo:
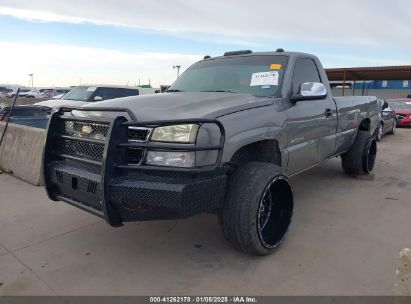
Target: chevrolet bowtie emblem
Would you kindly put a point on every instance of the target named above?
(86, 129)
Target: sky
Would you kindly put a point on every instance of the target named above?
(124, 42)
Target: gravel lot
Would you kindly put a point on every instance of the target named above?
(345, 240)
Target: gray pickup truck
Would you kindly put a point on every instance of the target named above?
(224, 139)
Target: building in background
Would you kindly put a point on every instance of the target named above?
(383, 82)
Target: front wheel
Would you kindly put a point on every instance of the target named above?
(258, 208)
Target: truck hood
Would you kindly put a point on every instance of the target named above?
(55, 103)
(185, 105)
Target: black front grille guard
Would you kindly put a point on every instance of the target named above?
(115, 152)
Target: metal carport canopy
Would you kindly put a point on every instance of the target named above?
(402, 72)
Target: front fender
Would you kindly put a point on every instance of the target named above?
(247, 127)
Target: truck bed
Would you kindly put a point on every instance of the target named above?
(351, 111)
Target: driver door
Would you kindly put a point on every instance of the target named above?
(311, 124)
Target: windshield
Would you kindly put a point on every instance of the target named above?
(403, 104)
(255, 75)
(80, 93)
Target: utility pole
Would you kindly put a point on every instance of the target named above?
(32, 83)
(178, 69)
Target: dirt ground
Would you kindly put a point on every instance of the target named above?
(345, 239)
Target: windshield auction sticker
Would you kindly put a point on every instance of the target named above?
(264, 78)
(275, 66)
(91, 89)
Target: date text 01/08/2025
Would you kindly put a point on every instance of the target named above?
(203, 299)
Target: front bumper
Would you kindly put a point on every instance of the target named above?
(94, 174)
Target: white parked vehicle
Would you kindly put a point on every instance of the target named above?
(34, 93)
(51, 92)
(22, 93)
(83, 95)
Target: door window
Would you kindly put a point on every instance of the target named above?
(105, 93)
(126, 92)
(305, 70)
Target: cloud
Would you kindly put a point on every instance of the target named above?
(61, 65)
(41, 16)
(367, 22)
(343, 33)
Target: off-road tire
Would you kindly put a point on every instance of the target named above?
(360, 159)
(241, 215)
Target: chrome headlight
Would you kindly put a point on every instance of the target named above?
(172, 159)
(176, 133)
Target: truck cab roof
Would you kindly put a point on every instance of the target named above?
(250, 54)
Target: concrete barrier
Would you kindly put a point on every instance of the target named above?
(402, 286)
(21, 152)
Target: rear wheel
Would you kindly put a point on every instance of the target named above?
(360, 159)
(394, 127)
(258, 208)
(380, 132)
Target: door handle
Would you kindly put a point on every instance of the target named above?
(328, 113)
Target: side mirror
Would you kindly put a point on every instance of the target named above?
(310, 91)
(98, 98)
